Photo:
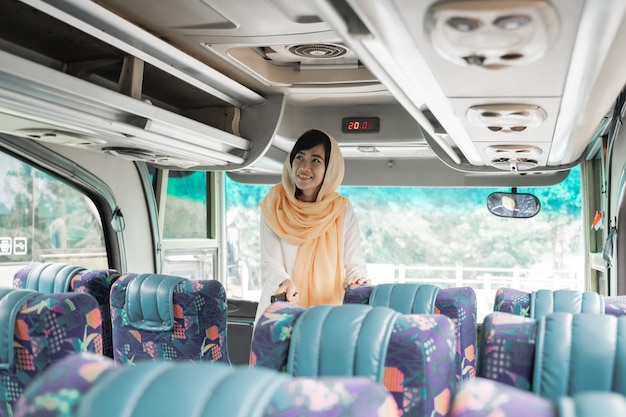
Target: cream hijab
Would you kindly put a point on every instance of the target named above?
(316, 228)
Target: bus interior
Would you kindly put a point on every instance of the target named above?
(481, 139)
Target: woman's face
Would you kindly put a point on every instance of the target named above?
(308, 168)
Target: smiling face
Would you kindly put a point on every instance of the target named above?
(308, 170)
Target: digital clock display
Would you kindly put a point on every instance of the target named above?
(360, 125)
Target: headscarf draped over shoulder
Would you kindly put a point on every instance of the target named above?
(316, 228)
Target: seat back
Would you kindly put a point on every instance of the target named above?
(37, 330)
(405, 298)
(53, 278)
(365, 333)
(543, 302)
(457, 303)
(47, 278)
(513, 301)
(158, 316)
(460, 305)
(587, 351)
(537, 304)
(162, 389)
(484, 398)
(558, 355)
(411, 355)
(507, 349)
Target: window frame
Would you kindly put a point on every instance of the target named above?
(72, 174)
(214, 203)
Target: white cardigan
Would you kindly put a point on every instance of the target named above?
(278, 257)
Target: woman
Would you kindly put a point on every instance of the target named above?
(310, 240)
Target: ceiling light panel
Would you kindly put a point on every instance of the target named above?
(506, 118)
(543, 51)
(492, 35)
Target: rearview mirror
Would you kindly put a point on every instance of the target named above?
(513, 205)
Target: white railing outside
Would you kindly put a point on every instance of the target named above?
(485, 281)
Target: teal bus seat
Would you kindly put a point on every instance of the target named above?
(91, 386)
(57, 277)
(557, 355)
(165, 317)
(411, 355)
(36, 331)
(457, 303)
(537, 304)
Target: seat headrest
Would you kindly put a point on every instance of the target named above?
(149, 301)
(11, 300)
(345, 340)
(51, 277)
(405, 298)
(172, 388)
(543, 302)
(579, 352)
(90, 385)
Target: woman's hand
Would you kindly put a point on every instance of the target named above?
(357, 282)
(289, 288)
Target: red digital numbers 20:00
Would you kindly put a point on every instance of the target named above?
(360, 124)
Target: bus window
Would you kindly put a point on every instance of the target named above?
(44, 219)
(189, 241)
(242, 230)
(186, 214)
(453, 240)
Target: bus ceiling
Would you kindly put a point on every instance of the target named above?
(403, 86)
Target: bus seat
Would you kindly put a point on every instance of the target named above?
(537, 304)
(403, 298)
(87, 386)
(457, 303)
(52, 277)
(511, 339)
(157, 316)
(460, 305)
(37, 330)
(487, 398)
(416, 366)
(557, 355)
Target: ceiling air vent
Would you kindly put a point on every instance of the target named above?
(332, 56)
(492, 34)
(136, 154)
(513, 158)
(514, 165)
(318, 50)
(506, 118)
(60, 137)
(170, 161)
(131, 154)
